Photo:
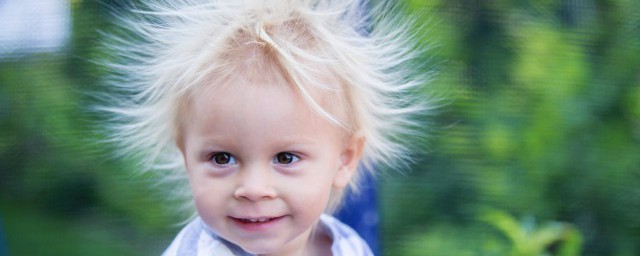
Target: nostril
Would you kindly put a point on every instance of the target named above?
(246, 195)
(255, 183)
(255, 193)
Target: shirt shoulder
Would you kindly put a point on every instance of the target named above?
(345, 240)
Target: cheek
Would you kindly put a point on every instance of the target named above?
(311, 191)
(209, 196)
(308, 202)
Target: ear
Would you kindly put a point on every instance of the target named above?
(179, 141)
(349, 159)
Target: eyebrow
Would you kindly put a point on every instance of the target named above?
(284, 142)
(294, 143)
(216, 140)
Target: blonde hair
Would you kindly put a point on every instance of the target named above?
(165, 49)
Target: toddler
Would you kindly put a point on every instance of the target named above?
(268, 108)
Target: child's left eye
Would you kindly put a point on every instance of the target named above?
(285, 158)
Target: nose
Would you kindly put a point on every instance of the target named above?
(255, 184)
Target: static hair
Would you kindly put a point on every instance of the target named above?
(166, 50)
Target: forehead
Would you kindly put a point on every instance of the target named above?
(253, 73)
(239, 95)
(245, 111)
(256, 69)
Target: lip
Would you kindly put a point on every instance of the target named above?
(258, 224)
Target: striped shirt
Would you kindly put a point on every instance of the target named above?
(197, 240)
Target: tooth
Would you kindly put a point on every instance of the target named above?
(263, 219)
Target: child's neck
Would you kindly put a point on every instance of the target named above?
(316, 242)
(319, 243)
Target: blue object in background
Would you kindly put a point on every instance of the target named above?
(360, 211)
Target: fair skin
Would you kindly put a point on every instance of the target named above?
(262, 165)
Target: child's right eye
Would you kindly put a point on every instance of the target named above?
(223, 158)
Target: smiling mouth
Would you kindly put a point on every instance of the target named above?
(257, 224)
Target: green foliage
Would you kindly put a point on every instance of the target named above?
(527, 239)
(60, 192)
(542, 122)
(495, 233)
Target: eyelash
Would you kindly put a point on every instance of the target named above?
(223, 159)
(288, 157)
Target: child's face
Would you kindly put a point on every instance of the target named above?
(262, 164)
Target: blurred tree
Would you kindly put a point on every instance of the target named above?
(60, 193)
(542, 123)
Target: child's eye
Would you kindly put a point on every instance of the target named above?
(285, 158)
(223, 158)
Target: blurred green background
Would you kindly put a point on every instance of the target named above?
(536, 152)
